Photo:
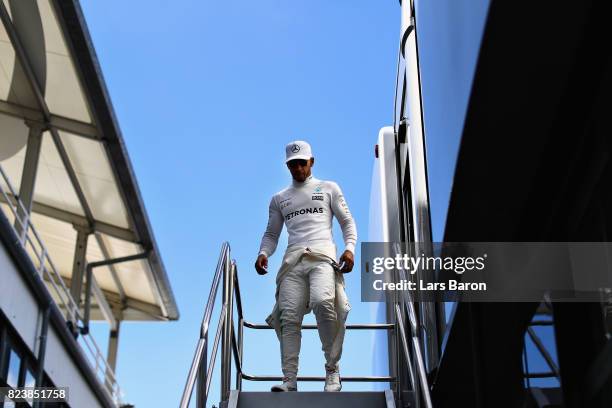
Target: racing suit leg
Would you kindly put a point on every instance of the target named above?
(292, 297)
(322, 300)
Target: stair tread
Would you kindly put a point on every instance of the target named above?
(315, 392)
(320, 399)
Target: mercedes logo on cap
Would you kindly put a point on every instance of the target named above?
(295, 148)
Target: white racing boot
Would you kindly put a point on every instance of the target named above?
(332, 380)
(289, 384)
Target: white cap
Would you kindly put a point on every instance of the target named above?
(298, 150)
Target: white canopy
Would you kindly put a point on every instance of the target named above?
(50, 77)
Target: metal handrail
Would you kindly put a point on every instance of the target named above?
(215, 346)
(308, 378)
(201, 347)
(359, 326)
(422, 376)
(418, 354)
(200, 372)
(29, 238)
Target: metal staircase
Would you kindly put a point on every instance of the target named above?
(411, 390)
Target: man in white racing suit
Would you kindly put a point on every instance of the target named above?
(309, 277)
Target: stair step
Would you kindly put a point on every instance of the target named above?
(308, 399)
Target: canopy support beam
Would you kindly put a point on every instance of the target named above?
(78, 265)
(28, 179)
(72, 126)
(113, 347)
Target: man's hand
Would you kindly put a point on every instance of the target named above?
(349, 261)
(261, 264)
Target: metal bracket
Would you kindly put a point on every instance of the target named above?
(89, 282)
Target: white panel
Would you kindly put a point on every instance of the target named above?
(13, 168)
(18, 304)
(95, 175)
(64, 373)
(3, 34)
(63, 92)
(8, 66)
(133, 275)
(54, 41)
(53, 186)
(102, 274)
(13, 164)
(7, 63)
(105, 280)
(14, 136)
(94, 253)
(59, 238)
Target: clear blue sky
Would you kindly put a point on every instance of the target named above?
(207, 94)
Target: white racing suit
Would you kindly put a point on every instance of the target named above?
(306, 279)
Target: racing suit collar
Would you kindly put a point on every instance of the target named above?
(306, 182)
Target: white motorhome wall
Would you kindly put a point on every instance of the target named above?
(17, 302)
(64, 373)
(384, 226)
(21, 308)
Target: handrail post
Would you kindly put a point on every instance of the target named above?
(224, 296)
(201, 381)
(418, 355)
(405, 347)
(226, 347)
(240, 352)
(240, 330)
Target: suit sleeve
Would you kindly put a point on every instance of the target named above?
(344, 217)
(269, 241)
